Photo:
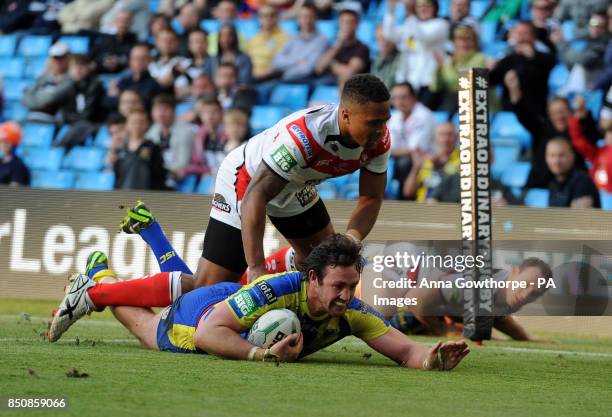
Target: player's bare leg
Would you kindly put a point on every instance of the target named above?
(209, 273)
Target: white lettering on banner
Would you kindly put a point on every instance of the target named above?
(5, 230)
(271, 244)
(194, 249)
(59, 239)
(18, 262)
(122, 265)
(98, 239)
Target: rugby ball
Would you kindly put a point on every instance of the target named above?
(273, 327)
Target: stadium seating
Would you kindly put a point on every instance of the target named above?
(15, 111)
(495, 49)
(478, 8)
(366, 33)
(292, 96)
(488, 32)
(440, 116)
(63, 179)
(210, 25)
(606, 200)
(95, 181)
(85, 158)
(328, 28)
(558, 77)
(516, 174)
(34, 45)
(37, 134)
(183, 108)
(262, 117)
(35, 66)
(350, 191)
(7, 45)
(11, 68)
(103, 138)
(247, 27)
(594, 100)
(324, 94)
(187, 184)
(43, 159)
(327, 191)
(289, 26)
(13, 91)
(503, 156)
(505, 125)
(76, 44)
(567, 28)
(206, 184)
(537, 197)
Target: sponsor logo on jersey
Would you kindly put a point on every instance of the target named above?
(306, 195)
(267, 291)
(218, 202)
(244, 303)
(284, 159)
(301, 136)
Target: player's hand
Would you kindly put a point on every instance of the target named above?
(288, 349)
(445, 356)
(580, 107)
(255, 272)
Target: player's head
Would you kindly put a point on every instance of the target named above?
(528, 272)
(364, 109)
(333, 269)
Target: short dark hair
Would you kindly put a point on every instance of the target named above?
(115, 119)
(538, 263)
(164, 99)
(209, 101)
(336, 250)
(364, 88)
(81, 59)
(349, 11)
(407, 85)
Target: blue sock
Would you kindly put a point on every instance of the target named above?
(165, 254)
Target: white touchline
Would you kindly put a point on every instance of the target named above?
(550, 351)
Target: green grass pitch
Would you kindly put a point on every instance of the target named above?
(571, 378)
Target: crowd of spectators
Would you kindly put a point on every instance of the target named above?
(145, 63)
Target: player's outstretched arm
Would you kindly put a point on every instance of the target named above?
(371, 194)
(441, 357)
(264, 187)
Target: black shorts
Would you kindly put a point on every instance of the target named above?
(223, 243)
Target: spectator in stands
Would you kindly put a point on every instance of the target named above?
(418, 38)
(579, 12)
(569, 186)
(460, 16)
(229, 52)
(199, 64)
(266, 43)
(229, 92)
(209, 144)
(140, 16)
(428, 169)
(189, 21)
(46, 13)
(12, 169)
(174, 137)
(532, 67)
(411, 129)
(51, 89)
(599, 157)
(168, 64)
(129, 101)
(544, 128)
(386, 62)
(236, 128)
(137, 77)
(139, 164)
(83, 15)
(15, 15)
(225, 12)
(544, 24)
(348, 56)
(87, 94)
(112, 51)
(589, 61)
(118, 138)
(465, 55)
(172, 7)
(157, 23)
(299, 56)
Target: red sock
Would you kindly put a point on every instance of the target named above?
(151, 291)
(277, 262)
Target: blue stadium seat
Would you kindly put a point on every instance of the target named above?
(13, 91)
(262, 117)
(504, 156)
(440, 116)
(537, 197)
(34, 45)
(35, 66)
(488, 32)
(53, 179)
(327, 191)
(337, 182)
(444, 7)
(350, 191)
(37, 134)
(247, 28)
(324, 94)
(177, 26)
(328, 28)
(7, 45)
(392, 187)
(95, 181)
(210, 25)
(183, 108)
(85, 158)
(568, 28)
(15, 111)
(44, 159)
(606, 200)
(594, 101)
(478, 8)
(496, 49)
(516, 174)
(506, 126)
(103, 138)
(289, 26)
(293, 96)
(76, 44)
(11, 68)
(187, 184)
(366, 32)
(154, 6)
(558, 77)
(206, 184)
